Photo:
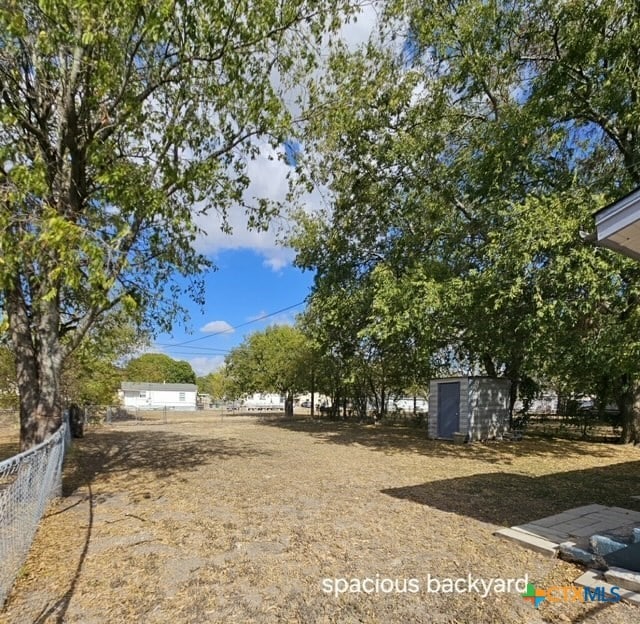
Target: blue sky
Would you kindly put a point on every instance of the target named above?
(243, 289)
(255, 275)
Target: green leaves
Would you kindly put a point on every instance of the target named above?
(464, 164)
(159, 368)
(120, 122)
(275, 360)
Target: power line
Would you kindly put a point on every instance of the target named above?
(234, 327)
(202, 352)
(198, 356)
(195, 349)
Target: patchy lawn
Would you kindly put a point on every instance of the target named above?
(243, 519)
(9, 434)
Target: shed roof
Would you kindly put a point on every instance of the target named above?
(139, 386)
(618, 225)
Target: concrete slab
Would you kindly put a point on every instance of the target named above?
(626, 512)
(593, 579)
(529, 540)
(589, 530)
(579, 522)
(604, 527)
(618, 511)
(585, 509)
(623, 578)
(549, 521)
(545, 532)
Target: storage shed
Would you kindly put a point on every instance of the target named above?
(477, 407)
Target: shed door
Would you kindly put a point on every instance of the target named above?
(448, 409)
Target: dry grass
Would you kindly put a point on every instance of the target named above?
(240, 519)
(9, 434)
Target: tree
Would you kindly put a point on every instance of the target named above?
(362, 332)
(159, 368)
(8, 391)
(270, 361)
(464, 164)
(93, 372)
(120, 122)
(216, 384)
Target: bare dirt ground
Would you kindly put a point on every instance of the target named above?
(244, 519)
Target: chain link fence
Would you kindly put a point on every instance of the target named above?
(27, 482)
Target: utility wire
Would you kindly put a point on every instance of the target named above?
(228, 329)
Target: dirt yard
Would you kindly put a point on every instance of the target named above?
(245, 519)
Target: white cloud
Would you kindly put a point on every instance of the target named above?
(268, 175)
(357, 32)
(279, 258)
(205, 365)
(257, 317)
(217, 327)
(287, 318)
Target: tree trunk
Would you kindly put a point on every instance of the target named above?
(628, 401)
(313, 393)
(288, 405)
(38, 368)
(489, 366)
(513, 397)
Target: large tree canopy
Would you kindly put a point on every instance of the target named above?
(120, 120)
(216, 384)
(464, 164)
(273, 360)
(159, 368)
(93, 372)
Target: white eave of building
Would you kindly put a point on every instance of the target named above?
(167, 387)
(618, 225)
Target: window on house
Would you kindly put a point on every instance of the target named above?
(143, 395)
(181, 396)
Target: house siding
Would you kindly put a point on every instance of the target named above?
(484, 406)
(489, 408)
(159, 396)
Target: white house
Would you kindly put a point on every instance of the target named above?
(144, 395)
(264, 401)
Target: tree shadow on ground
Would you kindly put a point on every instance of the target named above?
(403, 439)
(9, 449)
(509, 499)
(159, 453)
(60, 606)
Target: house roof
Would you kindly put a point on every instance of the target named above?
(618, 225)
(139, 386)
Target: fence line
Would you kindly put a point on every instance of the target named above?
(27, 482)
